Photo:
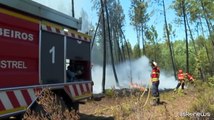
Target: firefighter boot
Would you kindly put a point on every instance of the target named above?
(155, 102)
(158, 100)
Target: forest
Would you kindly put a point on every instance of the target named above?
(194, 54)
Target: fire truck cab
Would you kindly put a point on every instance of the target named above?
(41, 48)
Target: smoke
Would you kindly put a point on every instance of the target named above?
(138, 71)
(85, 27)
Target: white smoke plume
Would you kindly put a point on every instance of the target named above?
(138, 70)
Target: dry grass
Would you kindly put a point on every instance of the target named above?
(123, 103)
(126, 105)
(131, 105)
(53, 108)
(203, 104)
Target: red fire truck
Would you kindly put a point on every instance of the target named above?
(36, 46)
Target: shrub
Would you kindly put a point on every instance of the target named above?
(211, 81)
(110, 92)
(203, 105)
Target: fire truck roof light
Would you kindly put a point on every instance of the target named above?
(12, 117)
(65, 29)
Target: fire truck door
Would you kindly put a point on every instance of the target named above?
(78, 49)
(52, 58)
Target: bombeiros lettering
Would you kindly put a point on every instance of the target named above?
(12, 64)
(4, 32)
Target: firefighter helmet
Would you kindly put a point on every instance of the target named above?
(154, 63)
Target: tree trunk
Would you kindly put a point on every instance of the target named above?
(95, 33)
(196, 52)
(110, 42)
(211, 64)
(205, 17)
(143, 41)
(123, 54)
(72, 4)
(119, 52)
(155, 51)
(207, 21)
(118, 55)
(104, 47)
(185, 27)
(191, 36)
(138, 41)
(168, 39)
(128, 50)
(205, 47)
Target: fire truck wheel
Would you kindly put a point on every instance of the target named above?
(66, 100)
(41, 107)
(37, 108)
(68, 104)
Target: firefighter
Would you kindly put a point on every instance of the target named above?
(155, 83)
(190, 78)
(70, 74)
(181, 80)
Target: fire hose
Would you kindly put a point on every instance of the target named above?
(148, 95)
(147, 88)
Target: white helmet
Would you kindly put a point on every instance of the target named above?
(154, 63)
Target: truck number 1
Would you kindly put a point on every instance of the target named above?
(52, 52)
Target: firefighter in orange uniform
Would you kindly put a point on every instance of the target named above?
(190, 79)
(155, 83)
(181, 80)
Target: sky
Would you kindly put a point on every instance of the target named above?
(86, 5)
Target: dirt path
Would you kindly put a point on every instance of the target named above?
(129, 108)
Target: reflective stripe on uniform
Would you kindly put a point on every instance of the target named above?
(155, 79)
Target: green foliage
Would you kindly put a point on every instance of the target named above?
(109, 92)
(211, 81)
(136, 51)
(138, 12)
(127, 50)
